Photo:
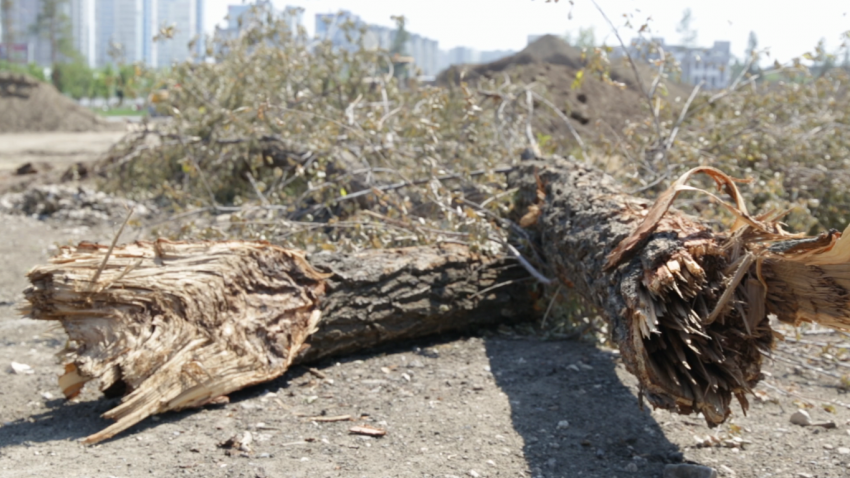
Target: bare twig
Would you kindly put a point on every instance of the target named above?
(257, 188)
(527, 266)
(529, 134)
(643, 90)
(568, 123)
(551, 304)
(109, 251)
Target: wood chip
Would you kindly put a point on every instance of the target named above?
(317, 373)
(367, 430)
(340, 418)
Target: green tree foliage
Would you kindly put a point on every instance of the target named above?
(30, 69)
(687, 34)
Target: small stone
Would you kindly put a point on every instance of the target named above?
(551, 462)
(689, 471)
(415, 364)
(802, 418)
(675, 457)
(843, 450)
(47, 395)
(600, 453)
(828, 447)
(21, 368)
(563, 424)
(632, 467)
(473, 474)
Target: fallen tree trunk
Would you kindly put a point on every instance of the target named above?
(687, 306)
(177, 325)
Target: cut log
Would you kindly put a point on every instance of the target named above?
(686, 305)
(176, 325)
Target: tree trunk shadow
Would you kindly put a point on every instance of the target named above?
(575, 412)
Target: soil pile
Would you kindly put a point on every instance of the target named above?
(594, 106)
(28, 105)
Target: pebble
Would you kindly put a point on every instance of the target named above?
(415, 364)
(21, 368)
(551, 462)
(802, 418)
(563, 424)
(632, 467)
(676, 456)
(843, 450)
(474, 474)
(689, 471)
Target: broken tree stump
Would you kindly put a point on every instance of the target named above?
(688, 306)
(173, 325)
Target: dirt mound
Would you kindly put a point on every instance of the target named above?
(28, 105)
(595, 106)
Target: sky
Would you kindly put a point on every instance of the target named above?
(787, 29)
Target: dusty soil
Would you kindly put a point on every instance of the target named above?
(596, 107)
(489, 405)
(58, 150)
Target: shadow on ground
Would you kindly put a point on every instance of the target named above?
(575, 414)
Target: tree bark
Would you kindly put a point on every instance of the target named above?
(657, 300)
(177, 325)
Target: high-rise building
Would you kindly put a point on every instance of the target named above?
(118, 31)
(26, 44)
(125, 31)
(333, 27)
(707, 66)
(182, 15)
(80, 16)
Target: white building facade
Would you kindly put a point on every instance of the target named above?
(125, 31)
(707, 66)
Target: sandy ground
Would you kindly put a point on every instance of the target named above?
(56, 149)
(453, 406)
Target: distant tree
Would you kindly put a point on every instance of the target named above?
(399, 45)
(53, 24)
(399, 48)
(586, 37)
(752, 51)
(687, 34)
(8, 29)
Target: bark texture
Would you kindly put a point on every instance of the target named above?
(176, 325)
(658, 299)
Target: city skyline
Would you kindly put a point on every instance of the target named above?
(506, 24)
(134, 22)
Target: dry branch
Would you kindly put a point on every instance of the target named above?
(177, 325)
